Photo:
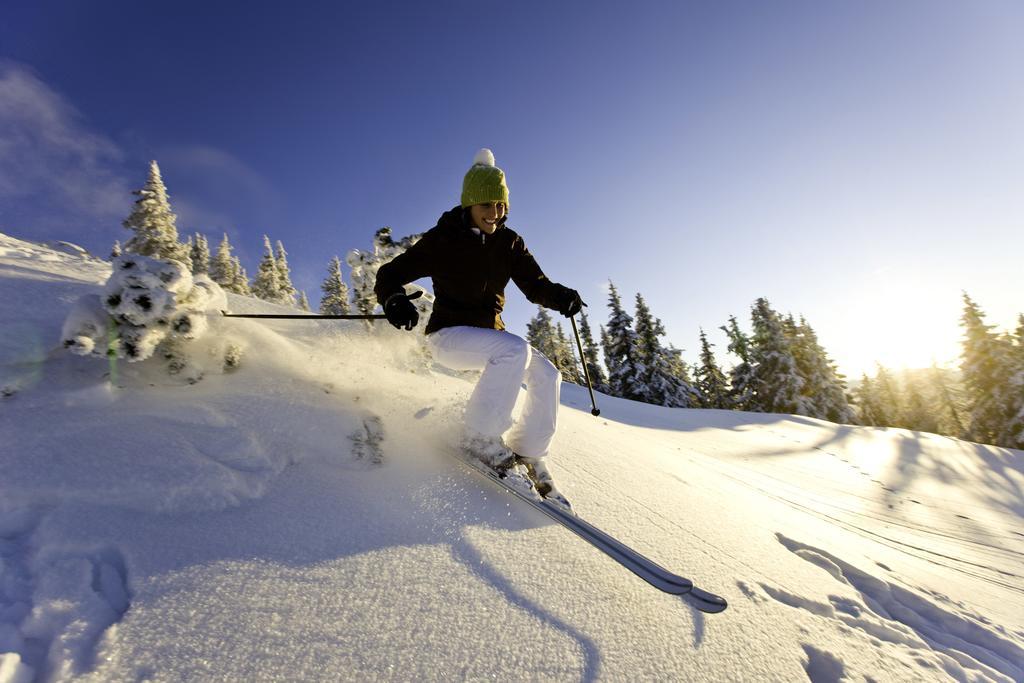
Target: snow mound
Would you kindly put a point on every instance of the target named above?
(144, 302)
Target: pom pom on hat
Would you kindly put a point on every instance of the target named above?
(484, 182)
(484, 157)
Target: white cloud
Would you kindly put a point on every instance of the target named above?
(53, 168)
(214, 177)
(205, 160)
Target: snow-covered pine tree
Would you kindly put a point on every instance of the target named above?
(566, 363)
(625, 370)
(711, 382)
(303, 301)
(239, 278)
(590, 352)
(888, 398)
(777, 383)
(364, 266)
(824, 387)
(869, 412)
(946, 396)
(200, 253)
(284, 276)
(919, 413)
(1013, 431)
(741, 376)
(540, 334)
(115, 251)
(267, 283)
(335, 298)
(221, 266)
(609, 363)
(987, 366)
(153, 222)
(661, 378)
(681, 371)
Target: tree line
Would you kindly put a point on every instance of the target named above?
(781, 368)
(983, 401)
(779, 364)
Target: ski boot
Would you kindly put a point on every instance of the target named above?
(499, 458)
(538, 473)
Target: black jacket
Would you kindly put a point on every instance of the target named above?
(469, 273)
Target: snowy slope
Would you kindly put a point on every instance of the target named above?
(229, 530)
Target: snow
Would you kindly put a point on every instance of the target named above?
(237, 528)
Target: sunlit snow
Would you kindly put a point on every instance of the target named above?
(238, 528)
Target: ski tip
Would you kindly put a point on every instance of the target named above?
(705, 602)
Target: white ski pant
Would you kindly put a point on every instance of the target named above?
(507, 362)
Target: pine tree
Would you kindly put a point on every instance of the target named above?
(115, 251)
(777, 384)
(239, 278)
(590, 352)
(741, 376)
(153, 222)
(918, 413)
(1013, 431)
(200, 254)
(566, 359)
(364, 266)
(541, 335)
(869, 411)
(303, 301)
(680, 370)
(222, 267)
(711, 382)
(609, 362)
(284, 276)
(267, 284)
(888, 398)
(951, 422)
(662, 378)
(989, 372)
(335, 298)
(625, 371)
(824, 388)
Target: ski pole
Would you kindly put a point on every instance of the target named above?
(586, 371)
(316, 316)
(303, 316)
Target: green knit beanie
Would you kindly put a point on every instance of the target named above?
(484, 182)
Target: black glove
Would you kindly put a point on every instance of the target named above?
(400, 310)
(568, 302)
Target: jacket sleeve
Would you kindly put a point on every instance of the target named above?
(412, 264)
(530, 279)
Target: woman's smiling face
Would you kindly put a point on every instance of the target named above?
(487, 216)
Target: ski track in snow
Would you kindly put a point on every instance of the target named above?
(56, 601)
(958, 642)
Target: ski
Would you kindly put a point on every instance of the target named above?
(645, 568)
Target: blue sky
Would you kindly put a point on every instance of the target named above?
(857, 163)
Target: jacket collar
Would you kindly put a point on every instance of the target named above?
(459, 222)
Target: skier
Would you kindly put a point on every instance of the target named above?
(470, 256)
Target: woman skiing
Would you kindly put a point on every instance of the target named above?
(470, 257)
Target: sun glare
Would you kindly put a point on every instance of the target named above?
(900, 324)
